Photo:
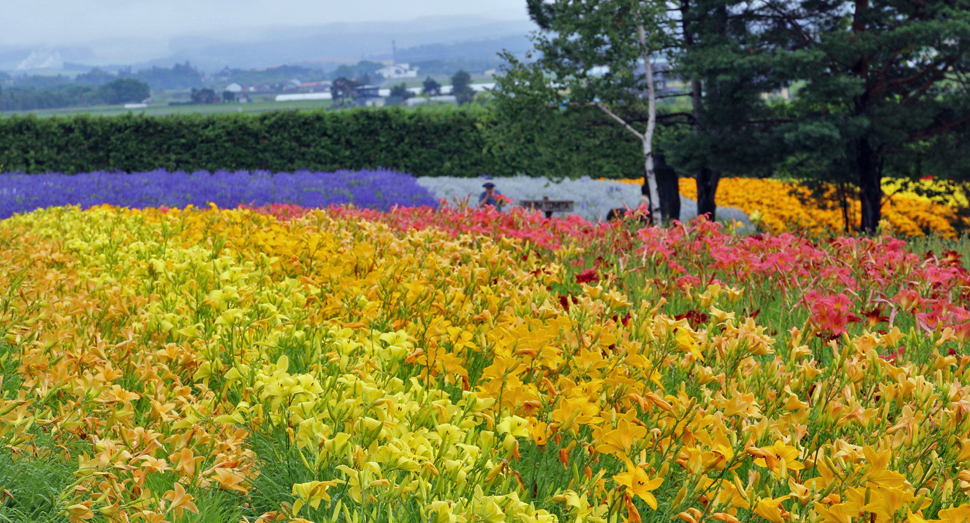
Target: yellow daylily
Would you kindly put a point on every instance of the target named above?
(638, 483)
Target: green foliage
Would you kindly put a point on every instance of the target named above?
(94, 77)
(424, 143)
(363, 69)
(400, 91)
(450, 66)
(560, 142)
(440, 141)
(882, 89)
(431, 87)
(123, 90)
(529, 134)
(461, 87)
(204, 96)
(273, 75)
(180, 76)
(116, 92)
(38, 81)
(592, 49)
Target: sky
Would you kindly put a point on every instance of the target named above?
(66, 22)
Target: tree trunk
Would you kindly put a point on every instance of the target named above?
(650, 177)
(707, 180)
(668, 188)
(870, 186)
(650, 180)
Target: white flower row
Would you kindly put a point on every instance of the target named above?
(592, 199)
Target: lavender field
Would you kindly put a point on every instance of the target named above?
(377, 189)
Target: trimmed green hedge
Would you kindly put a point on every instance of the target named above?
(458, 142)
(422, 143)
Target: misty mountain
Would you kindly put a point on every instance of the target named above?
(26, 58)
(349, 43)
(469, 50)
(324, 46)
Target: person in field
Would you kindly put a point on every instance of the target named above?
(490, 196)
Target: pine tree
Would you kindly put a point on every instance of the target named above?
(880, 87)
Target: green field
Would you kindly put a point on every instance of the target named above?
(159, 110)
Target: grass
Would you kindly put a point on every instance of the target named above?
(29, 488)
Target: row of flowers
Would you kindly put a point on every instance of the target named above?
(779, 206)
(375, 189)
(288, 364)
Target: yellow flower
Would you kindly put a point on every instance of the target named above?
(312, 492)
(581, 510)
(779, 458)
(515, 426)
(771, 509)
(638, 483)
(619, 440)
(955, 514)
(539, 432)
(181, 500)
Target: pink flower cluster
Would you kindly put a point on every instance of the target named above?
(839, 282)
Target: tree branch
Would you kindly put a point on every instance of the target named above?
(919, 76)
(939, 130)
(801, 32)
(929, 83)
(621, 121)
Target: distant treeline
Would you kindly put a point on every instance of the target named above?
(122, 90)
(178, 77)
(456, 142)
(183, 77)
(363, 71)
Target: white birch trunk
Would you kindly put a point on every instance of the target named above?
(647, 137)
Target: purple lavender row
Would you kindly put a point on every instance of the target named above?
(378, 189)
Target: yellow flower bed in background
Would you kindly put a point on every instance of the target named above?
(785, 207)
(952, 194)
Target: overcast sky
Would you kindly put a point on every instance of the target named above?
(64, 22)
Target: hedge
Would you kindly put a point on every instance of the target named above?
(459, 142)
(422, 143)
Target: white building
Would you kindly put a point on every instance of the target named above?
(447, 89)
(303, 97)
(398, 71)
(233, 88)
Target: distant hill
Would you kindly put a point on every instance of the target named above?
(485, 49)
(325, 46)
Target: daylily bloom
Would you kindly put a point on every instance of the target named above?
(638, 483)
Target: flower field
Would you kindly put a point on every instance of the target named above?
(372, 189)
(346, 365)
(785, 207)
(377, 189)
